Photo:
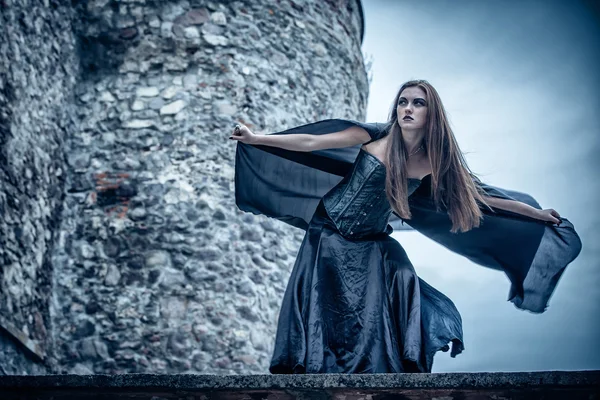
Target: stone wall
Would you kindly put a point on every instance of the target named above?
(38, 71)
(155, 269)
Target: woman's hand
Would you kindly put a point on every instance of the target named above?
(518, 207)
(243, 134)
(549, 215)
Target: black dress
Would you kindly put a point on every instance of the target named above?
(354, 303)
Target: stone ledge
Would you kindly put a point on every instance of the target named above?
(443, 386)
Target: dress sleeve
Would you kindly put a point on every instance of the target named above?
(375, 130)
(532, 253)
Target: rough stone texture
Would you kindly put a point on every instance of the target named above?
(38, 73)
(549, 385)
(154, 269)
(14, 361)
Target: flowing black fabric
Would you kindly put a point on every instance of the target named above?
(355, 306)
(287, 185)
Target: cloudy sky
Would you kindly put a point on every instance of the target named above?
(520, 82)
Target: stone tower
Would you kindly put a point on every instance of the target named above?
(122, 249)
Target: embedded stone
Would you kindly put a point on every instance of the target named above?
(258, 340)
(112, 276)
(106, 96)
(176, 64)
(85, 328)
(251, 234)
(209, 253)
(215, 40)
(191, 32)
(247, 313)
(101, 349)
(212, 29)
(156, 103)
(129, 66)
(189, 81)
(80, 369)
(270, 255)
(171, 278)
(154, 22)
(85, 250)
(124, 21)
(260, 262)
(138, 124)
(320, 50)
(79, 160)
(172, 108)
(88, 350)
(246, 288)
(169, 92)
(158, 258)
(247, 359)
(92, 307)
(268, 225)
(223, 362)
(179, 343)
(147, 91)
(256, 277)
(171, 11)
(128, 33)
(219, 215)
(195, 16)
(136, 262)
(279, 58)
(112, 247)
(218, 18)
(154, 276)
(138, 105)
(137, 214)
(166, 29)
(146, 114)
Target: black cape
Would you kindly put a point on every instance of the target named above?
(287, 185)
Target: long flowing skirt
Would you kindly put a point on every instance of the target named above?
(357, 306)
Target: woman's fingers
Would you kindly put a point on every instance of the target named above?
(236, 134)
(553, 216)
(241, 133)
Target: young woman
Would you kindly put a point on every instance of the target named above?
(354, 303)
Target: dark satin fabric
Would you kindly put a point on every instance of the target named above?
(353, 302)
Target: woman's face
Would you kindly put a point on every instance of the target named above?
(412, 108)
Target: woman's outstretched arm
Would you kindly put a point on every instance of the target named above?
(518, 207)
(303, 141)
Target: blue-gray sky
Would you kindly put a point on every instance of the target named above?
(520, 82)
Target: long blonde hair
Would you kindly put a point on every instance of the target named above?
(453, 186)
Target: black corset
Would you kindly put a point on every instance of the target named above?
(358, 205)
